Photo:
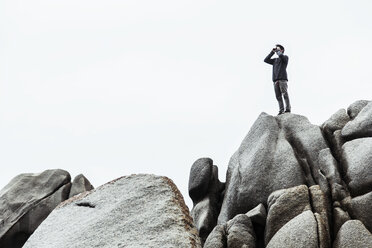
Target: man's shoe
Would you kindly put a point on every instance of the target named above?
(287, 111)
(281, 112)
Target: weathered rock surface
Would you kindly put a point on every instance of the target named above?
(200, 176)
(80, 184)
(354, 108)
(337, 121)
(205, 190)
(332, 130)
(132, 211)
(353, 234)
(240, 232)
(299, 232)
(291, 167)
(265, 162)
(361, 209)
(236, 233)
(357, 162)
(217, 238)
(283, 206)
(360, 126)
(29, 198)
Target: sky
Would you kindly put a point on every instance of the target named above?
(111, 88)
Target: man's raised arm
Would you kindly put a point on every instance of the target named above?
(268, 58)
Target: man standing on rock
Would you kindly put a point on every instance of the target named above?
(280, 77)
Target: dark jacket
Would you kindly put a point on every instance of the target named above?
(279, 66)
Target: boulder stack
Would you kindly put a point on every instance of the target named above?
(314, 181)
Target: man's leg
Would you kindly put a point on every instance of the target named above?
(278, 95)
(284, 90)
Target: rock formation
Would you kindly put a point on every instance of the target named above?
(132, 211)
(206, 192)
(289, 184)
(29, 198)
(308, 185)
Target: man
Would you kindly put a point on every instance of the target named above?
(280, 77)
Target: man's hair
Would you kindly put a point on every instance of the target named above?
(280, 46)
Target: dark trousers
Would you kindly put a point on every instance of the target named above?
(281, 91)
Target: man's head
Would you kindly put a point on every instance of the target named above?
(280, 47)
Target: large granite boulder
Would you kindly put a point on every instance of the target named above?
(361, 209)
(354, 108)
(361, 125)
(357, 165)
(132, 211)
(278, 153)
(336, 122)
(353, 234)
(27, 200)
(283, 206)
(300, 232)
(265, 162)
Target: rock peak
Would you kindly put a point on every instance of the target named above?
(307, 177)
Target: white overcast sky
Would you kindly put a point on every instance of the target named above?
(110, 88)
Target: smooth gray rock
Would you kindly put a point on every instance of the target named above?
(300, 232)
(217, 238)
(307, 141)
(236, 233)
(200, 175)
(284, 205)
(337, 121)
(132, 211)
(264, 162)
(332, 130)
(354, 109)
(357, 165)
(361, 126)
(27, 200)
(361, 209)
(80, 184)
(205, 210)
(28, 223)
(240, 232)
(258, 214)
(353, 234)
